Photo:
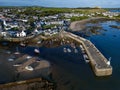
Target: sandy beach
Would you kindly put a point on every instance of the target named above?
(80, 25)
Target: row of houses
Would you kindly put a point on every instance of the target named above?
(13, 34)
(109, 14)
(18, 25)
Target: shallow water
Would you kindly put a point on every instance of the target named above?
(108, 42)
(70, 71)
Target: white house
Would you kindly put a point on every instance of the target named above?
(36, 31)
(21, 34)
(9, 25)
(4, 34)
(18, 35)
(4, 22)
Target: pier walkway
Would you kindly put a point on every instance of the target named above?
(97, 60)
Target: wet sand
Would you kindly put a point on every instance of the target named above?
(7, 72)
(80, 25)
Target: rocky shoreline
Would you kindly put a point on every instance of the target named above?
(31, 84)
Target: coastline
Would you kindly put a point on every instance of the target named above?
(80, 25)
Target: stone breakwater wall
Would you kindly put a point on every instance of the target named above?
(97, 60)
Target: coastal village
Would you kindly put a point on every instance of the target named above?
(21, 25)
(17, 25)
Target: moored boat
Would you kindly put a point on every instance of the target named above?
(64, 49)
(85, 56)
(22, 44)
(36, 51)
(68, 50)
(29, 68)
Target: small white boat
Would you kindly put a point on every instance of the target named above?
(22, 44)
(28, 57)
(76, 51)
(68, 41)
(16, 65)
(87, 61)
(36, 51)
(83, 51)
(64, 49)
(29, 68)
(10, 59)
(38, 42)
(108, 62)
(17, 51)
(86, 58)
(81, 47)
(69, 50)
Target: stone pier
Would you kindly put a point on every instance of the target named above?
(97, 60)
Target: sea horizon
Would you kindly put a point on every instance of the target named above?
(62, 4)
(62, 7)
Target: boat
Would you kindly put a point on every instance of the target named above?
(17, 51)
(81, 47)
(16, 65)
(69, 50)
(28, 57)
(22, 44)
(68, 41)
(38, 42)
(83, 51)
(87, 61)
(72, 45)
(108, 62)
(10, 59)
(76, 51)
(64, 49)
(36, 51)
(85, 56)
(29, 68)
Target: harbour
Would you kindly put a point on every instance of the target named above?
(82, 60)
(97, 60)
(72, 62)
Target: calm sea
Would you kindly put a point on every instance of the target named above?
(77, 75)
(70, 71)
(107, 40)
(115, 10)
